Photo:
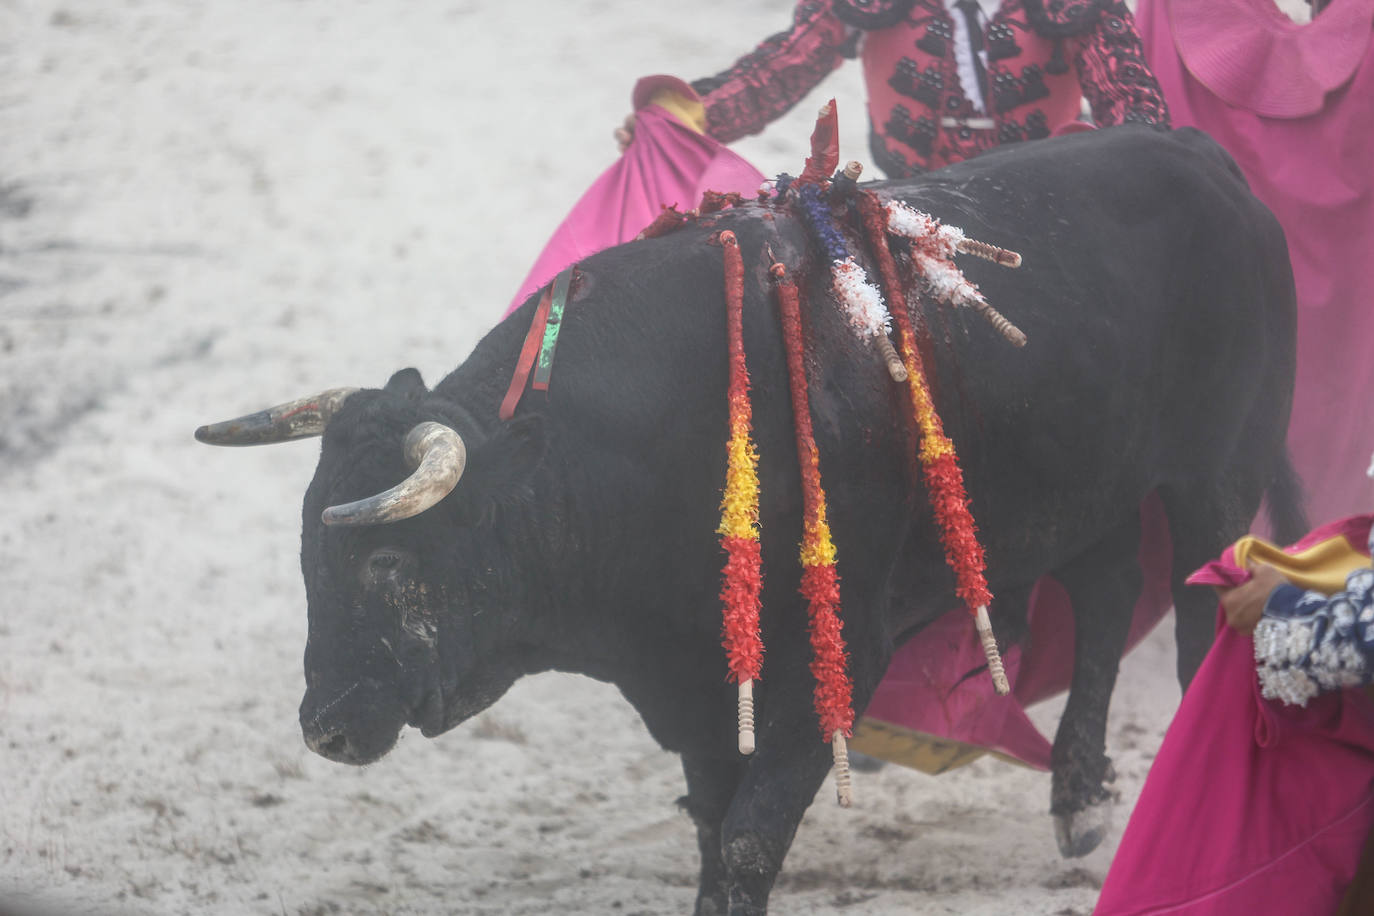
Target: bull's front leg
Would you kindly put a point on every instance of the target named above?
(1103, 584)
(746, 809)
(711, 786)
(779, 784)
(743, 850)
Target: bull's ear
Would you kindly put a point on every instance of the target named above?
(408, 384)
(500, 470)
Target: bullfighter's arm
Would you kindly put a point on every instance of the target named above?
(1116, 80)
(1309, 643)
(764, 84)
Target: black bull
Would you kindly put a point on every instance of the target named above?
(1158, 301)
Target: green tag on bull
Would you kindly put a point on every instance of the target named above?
(544, 366)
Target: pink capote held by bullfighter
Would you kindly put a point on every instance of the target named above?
(1252, 806)
(667, 164)
(1294, 104)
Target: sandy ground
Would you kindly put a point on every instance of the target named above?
(209, 207)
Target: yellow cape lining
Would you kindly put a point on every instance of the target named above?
(1323, 567)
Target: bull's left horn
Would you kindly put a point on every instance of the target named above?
(292, 420)
(437, 454)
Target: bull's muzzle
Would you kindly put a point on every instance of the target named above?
(357, 726)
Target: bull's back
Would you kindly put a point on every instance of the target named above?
(1157, 300)
(1153, 280)
(1154, 293)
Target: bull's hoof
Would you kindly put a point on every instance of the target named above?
(738, 908)
(1083, 831)
(712, 904)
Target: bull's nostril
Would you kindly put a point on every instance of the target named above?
(330, 745)
(334, 746)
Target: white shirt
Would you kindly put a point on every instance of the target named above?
(963, 54)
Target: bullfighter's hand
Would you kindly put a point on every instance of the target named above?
(625, 133)
(1244, 604)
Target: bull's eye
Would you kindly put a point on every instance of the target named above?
(388, 565)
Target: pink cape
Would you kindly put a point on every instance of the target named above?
(925, 688)
(1255, 58)
(1316, 172)
(1251, 806)
(667, 164)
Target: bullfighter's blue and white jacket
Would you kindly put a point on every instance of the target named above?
(1309, 643)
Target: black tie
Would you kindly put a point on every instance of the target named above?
(975, 42)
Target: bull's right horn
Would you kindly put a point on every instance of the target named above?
(292, 420)
(438, 456)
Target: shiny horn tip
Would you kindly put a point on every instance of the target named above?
(253, 429)
(438, 456)
(293, 420)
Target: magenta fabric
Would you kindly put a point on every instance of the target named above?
(1251, 806)
(1317, 174)
(666, 164)
(1253, 57)
(925, 688)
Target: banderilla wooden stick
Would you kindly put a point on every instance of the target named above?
(1014, 335)
(840, 749)
(746, 716)
(1003, 256)
(999, 674)
(895, 367)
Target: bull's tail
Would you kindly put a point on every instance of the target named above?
(1285, 502)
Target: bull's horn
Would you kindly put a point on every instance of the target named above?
(437, 454)
(292, 420)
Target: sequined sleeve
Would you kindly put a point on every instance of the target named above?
(1309, 643)
(1116, 80)
(764, 84)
